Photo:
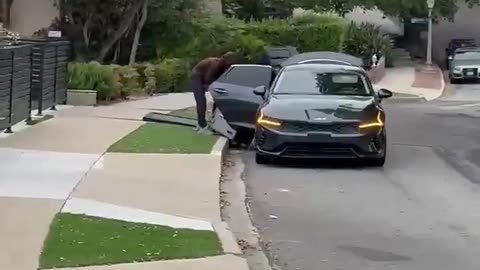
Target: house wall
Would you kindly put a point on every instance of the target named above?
(29, 16)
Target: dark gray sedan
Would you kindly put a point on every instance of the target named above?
(308, 110)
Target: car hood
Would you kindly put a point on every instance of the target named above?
(320, 108)
(466, 63)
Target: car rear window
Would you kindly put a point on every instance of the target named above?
(279, 54)
(308, 82)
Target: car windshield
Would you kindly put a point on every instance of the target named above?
(311, 82)
(474, 55)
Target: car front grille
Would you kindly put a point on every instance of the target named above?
(473, 71)
(335, 128)
(319, 150)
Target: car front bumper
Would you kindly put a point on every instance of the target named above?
(465, 73)
(320, 145)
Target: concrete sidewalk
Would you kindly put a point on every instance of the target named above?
(61, 165)
(412, 79)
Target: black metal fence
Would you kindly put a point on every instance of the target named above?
(32, 76)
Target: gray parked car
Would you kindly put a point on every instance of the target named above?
(465, 65)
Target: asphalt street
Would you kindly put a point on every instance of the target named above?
(420, 212)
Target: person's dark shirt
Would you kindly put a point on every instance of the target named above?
(210, 69)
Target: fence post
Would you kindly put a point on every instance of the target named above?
(40, 77)
(10, 106)
(30, 107)
(55, 79)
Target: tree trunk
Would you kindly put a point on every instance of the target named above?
(120, 31)
(138, 32)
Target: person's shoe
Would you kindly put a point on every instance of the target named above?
(197, 128)
(205, 131)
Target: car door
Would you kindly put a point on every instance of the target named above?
(233, 93)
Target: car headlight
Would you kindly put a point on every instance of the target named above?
(378, 123)
(457, 69)
(268, 122)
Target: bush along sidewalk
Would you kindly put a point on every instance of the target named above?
(79, 240)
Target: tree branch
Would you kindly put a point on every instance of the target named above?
(120, 31)
(138, 32)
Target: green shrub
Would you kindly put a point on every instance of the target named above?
(215, 36)
(366, 39)
(129, 80)
(307, 34)
(94, 76)
(146, 79)
(171, 75)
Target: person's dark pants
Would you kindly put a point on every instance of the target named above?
(200, 99)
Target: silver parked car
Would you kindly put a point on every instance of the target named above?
(465, 65)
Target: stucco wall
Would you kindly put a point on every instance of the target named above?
(29, 16)
(465, 25)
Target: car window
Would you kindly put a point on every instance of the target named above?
(276, 54)
(248, 75)
(310, 82)
(473, 55)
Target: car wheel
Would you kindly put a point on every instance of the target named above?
(244, 136)
(453, 81)
(263, 159)
(377, 162)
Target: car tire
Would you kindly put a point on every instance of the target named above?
(263, 159)
(244, 136)
(453, 81)
(377, 162)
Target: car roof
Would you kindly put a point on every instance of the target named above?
(326, 68)
(462, 40)
(467, 49)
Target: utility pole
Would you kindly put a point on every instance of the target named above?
(430, 5)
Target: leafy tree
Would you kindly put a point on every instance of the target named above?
(113, 30)
(257, 9)
(400, 8)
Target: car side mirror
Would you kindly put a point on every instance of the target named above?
(260, 90)
(384, 93)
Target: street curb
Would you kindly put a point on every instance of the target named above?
(220, 147)
(442, 78)
(227, 239)
(406, 100)
(225, 235)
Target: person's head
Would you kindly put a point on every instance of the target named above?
(229, 58)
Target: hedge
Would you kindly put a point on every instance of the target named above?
(215, 36)
(112, 81)
(322, 35)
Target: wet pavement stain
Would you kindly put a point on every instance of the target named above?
(374, 255)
